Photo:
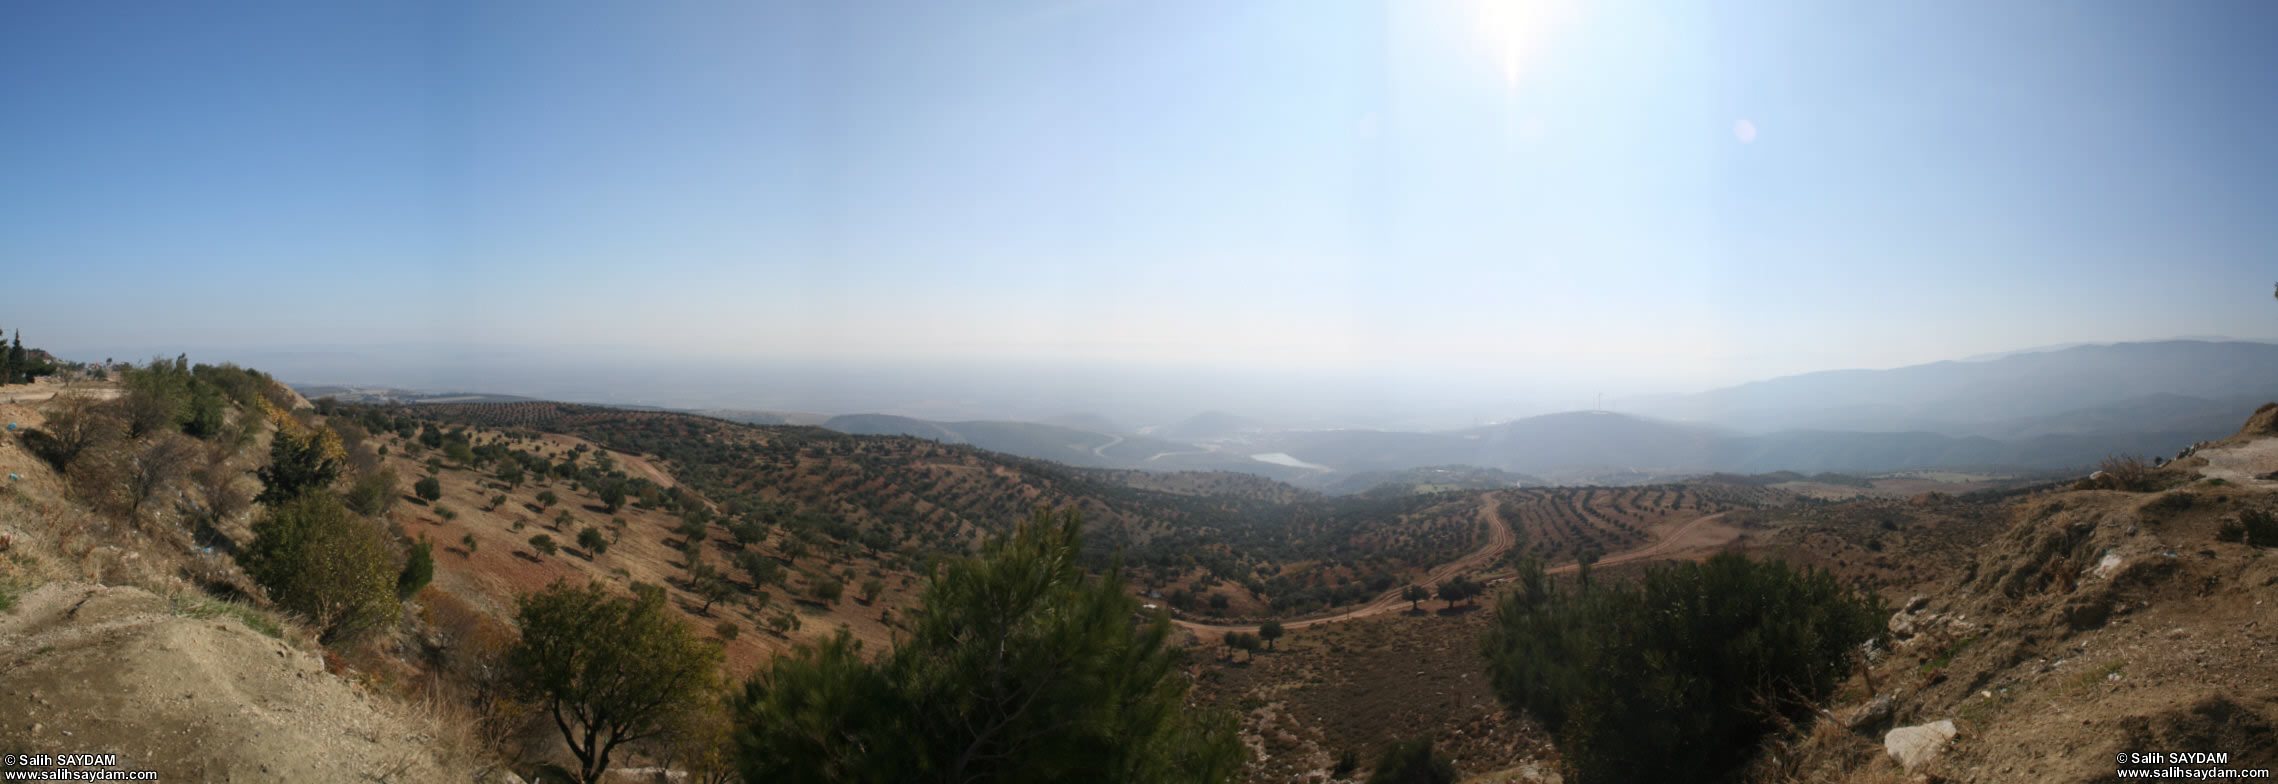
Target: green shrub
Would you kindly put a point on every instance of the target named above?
(1412, 762)
(428, 489)
(372, 493)
(1021, 634)
(1680, 676)
(297, 466)
(418, 569)
(322, 562)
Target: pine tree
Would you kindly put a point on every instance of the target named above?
(296, 465)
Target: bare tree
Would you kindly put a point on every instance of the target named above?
(216, 492)
(75, 423)
(156, 463)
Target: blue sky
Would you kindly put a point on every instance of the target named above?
(1639, 194)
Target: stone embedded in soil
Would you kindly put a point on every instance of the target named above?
(1915, 746)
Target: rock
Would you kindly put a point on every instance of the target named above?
(1917, 603)
(1864, 718)
(1901, 627)
(1916, 746)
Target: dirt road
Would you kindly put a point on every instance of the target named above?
(1101, 450)
(1500, 540)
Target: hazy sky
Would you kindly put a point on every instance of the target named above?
(1651, 192)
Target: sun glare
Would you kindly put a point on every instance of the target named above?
(1514, 33)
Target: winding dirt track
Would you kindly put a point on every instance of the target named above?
(1101, 450)
(1500, 539)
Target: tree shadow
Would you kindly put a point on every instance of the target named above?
(207, 535)
(458, 551)
(1446, 612)
(528, 557)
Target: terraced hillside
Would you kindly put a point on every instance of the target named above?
(1563, 523)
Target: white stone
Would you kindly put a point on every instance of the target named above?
(1915, 746)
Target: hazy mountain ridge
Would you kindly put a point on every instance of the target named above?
(1978, 396)
(2036, 409)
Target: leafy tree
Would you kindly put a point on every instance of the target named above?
(428, 489)
(418, 569)
(761, 569)
(1269, 632)
(613, 496)
(544, 544)
(319, 560)
(372, 493)
(871, 588)
(593, 541)
(460, 453)
(1219, 603)
(497, 501)
(1412, 762)
(1241, 641)
(1415, 594)
(297, 464)
(782, 623)
(511, 474)
(203, 415)
(547, 499)
(727, 630)
(1019, 669)
(1460, 589)
(826, 589)
(712, 585)
(470, 542)
(610, 670)
(1681, 675)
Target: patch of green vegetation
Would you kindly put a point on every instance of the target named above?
(1653, 680)
(202, 607)
(7, 598)
(1946, 654)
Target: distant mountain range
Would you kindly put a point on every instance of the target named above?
(2174, 380)
(2044, 409)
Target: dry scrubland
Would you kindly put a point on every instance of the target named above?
(2053, 626)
